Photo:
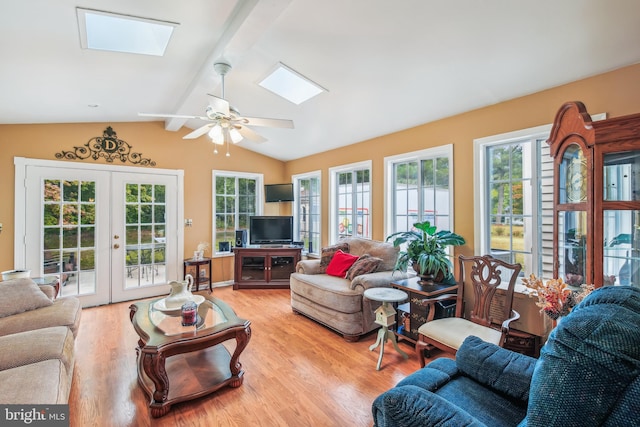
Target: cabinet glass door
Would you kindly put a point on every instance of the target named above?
(621, 180)
(621, 222)
(573, 176)
(572, 216)
(572, 246)
(253, 268)
(621, 247)
(282, 267)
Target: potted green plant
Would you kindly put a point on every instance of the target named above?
(426, 251)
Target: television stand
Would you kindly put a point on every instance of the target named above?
(264, 267)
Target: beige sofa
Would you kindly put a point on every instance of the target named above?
(37, 337)
(338, 302)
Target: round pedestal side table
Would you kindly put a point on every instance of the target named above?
(385, 317)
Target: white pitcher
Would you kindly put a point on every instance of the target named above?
(180, 293)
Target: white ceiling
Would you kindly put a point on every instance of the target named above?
(387, 65)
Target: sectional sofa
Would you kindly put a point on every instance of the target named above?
(37, 339)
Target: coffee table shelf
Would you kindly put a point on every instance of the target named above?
(187, 377)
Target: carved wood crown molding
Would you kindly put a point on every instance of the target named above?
(108, 147)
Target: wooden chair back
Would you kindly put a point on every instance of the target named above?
(485, 274)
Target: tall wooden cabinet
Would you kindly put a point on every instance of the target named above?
(596, 228)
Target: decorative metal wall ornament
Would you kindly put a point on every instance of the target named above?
(108, 147)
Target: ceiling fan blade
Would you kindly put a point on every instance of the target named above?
(219, 105)
(172, 116)
(198, 132)
(250, 135)
(274, 123)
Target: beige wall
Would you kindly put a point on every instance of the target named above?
(617, 93)
(167, 149)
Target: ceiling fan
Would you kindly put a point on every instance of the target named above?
(226, 125)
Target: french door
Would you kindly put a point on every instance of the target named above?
(109, 233)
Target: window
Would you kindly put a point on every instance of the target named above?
(306, 210)
(419, 189)
(514, 199)
(350, 204)
(236, 198)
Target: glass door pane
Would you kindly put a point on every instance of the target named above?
(573, 176)
(622, 176)
(253, 268)
(621, 263)
(572, 246)
(145, 260)
(144, 235)
(282, 267)
(69, 234)
(66, 222)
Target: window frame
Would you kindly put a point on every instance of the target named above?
(333, 195)
(258, 177)
(296, 206)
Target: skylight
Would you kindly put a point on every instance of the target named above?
(122, 33)
(290, 85)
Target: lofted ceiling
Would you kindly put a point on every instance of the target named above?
(387, 65)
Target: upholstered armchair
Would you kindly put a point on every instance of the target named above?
(338, 302)
(588, 374)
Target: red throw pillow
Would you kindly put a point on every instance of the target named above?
(340, 264)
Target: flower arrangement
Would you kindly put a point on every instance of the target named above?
(203, 247)
(555, 299)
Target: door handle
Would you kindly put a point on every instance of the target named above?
(116, 237)
(116, 246)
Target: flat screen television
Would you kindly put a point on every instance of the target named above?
(270, 230)
(278, 193)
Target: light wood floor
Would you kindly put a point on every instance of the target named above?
(297, 372)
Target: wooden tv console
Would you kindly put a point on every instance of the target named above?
(264, 267)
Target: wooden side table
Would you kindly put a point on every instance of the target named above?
(51, 281)
(385, 317)
(413, 313)
(200, 269)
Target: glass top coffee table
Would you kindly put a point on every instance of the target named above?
(178, 363)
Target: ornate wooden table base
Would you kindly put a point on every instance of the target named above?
(177, 363)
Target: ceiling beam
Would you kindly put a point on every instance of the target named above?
(238, 16)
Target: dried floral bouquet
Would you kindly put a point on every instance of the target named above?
(555, 299)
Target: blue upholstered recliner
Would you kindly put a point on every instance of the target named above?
(588, 374)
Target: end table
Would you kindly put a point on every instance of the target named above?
(200, 269)
(51, 281)
(385, 317)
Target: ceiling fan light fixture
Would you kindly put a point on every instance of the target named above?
(235, 135)
(216, 135)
